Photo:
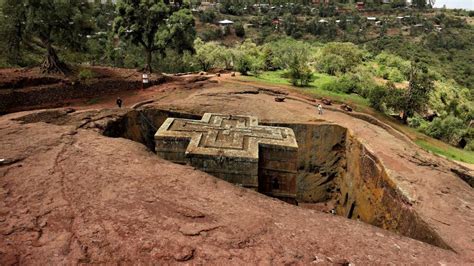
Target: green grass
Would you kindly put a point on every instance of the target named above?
(93, 101)
(447, 151)
(314, 88)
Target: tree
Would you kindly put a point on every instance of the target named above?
(296, 58)
(239, 30)
(419, 3)
(248, 58)
(205, 54)
(449, 129)
(416, 97)
(155, 26)
(180, 32)
(48, 23)
(12, 30)
(207, 16)
(339, 57)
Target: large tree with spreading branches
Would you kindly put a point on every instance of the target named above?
(49, 24)
(416, 97)
(155, 25)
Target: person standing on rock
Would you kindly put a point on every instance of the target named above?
(119, 102)
(320, 109)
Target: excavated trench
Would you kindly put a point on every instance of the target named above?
(336, 173)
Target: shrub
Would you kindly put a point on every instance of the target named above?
(418, 122)
(248, 63)
(339, 57)
(470, 146)
(248, 58)
(207, 16)
(345, 84)
(239, 30)
(449, 129)
(395, 75)
(331, 64)
(205, 54)
(392, 61)
(300, 75)
(377, 97)
(211, 34)
(86, 74)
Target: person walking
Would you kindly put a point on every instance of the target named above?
(320, 109)
(119, 102)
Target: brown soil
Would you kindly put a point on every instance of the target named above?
(28, 89)
(71, 195)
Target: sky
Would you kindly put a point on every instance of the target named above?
(466, 4)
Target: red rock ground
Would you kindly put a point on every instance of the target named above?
(70, 195)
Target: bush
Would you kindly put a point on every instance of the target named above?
(418, 122)
(300, 76)
(86, 74)
(239, 30)
(248, 58)
(376, 98)
(331, 64)
(390, 73)
(449, 129)
(394, 62)
(248, 63)
(206, 55)
(339, 57)
(211, 34)
(470, 146)
(207, 16)
(395, 75)
(345, 84)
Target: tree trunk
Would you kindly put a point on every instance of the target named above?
(51, 63)
(148, 68)
(405, 117)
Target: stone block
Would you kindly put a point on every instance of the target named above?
(234, 148)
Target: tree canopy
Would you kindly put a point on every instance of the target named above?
(50, 23)
(155, 26)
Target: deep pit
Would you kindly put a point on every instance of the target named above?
(335, 172)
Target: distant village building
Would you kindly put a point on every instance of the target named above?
(360, 5)
(225, 24)
(317, 2)
(372, 19)
(276, 22)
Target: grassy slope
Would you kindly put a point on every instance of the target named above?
(314, 88)
(361, 105)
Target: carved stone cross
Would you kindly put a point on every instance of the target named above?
(228, 146)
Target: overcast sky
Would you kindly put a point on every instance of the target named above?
(466, 4)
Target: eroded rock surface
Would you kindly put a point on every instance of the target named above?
(75, 196)
(69, 194)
